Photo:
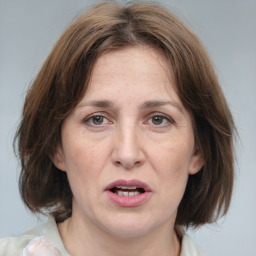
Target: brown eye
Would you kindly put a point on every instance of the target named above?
(98, 120)
(158, 120)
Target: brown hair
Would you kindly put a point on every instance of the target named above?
(64, 79)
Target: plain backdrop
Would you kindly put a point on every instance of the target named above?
(28, 30)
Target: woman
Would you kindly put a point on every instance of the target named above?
(125, 139)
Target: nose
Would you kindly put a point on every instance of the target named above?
(127, 152)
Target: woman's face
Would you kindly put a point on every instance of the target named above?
(128, 146)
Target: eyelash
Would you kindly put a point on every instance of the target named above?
(89, 120)
(168, 120)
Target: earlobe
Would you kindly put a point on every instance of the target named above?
(58, 159)
(196, 163)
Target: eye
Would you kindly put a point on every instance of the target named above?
(96, 120)
(160, 120)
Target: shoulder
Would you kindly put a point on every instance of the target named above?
(11, 246)
(189, 248)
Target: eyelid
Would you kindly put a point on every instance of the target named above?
(86, 120)
(97, 114)
(167, 117)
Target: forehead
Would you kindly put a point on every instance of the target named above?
(143, 58)
(141, 67)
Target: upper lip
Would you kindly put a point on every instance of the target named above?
(128, 183)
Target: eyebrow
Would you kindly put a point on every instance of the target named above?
(97, 103)
(158, 103)
(145, 105)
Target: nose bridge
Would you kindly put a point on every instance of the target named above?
(128, 137)
(127, 150)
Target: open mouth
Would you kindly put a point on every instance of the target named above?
(128, 193)
(127, 190)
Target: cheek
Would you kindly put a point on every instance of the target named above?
(79, 153)
(171, 170)
(85, 160)
(172, 166)
(82, 172)
(174, 157)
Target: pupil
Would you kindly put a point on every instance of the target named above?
(157, 120)
(98, 120)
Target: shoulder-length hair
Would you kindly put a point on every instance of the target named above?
(63, 81)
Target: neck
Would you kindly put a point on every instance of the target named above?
(83, 238)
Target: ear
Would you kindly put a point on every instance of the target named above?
(58, 159)
(196, 162)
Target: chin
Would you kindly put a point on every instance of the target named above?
(129, 227)
(128, 232)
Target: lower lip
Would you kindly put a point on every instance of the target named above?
(128, 201)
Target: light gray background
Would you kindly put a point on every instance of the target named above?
(28, 30)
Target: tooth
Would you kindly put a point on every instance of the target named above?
(126, 187)
(132, 187)
(131, 193)
(120, 193)
(136, 193)
(121, 187)
(126, 193)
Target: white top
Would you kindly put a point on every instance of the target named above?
(46, 239)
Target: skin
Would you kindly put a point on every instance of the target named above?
(127, 138)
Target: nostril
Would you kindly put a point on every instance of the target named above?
(128, 165)
(127, 155)
(137, 163)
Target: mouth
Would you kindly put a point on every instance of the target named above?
(128, 193)
(127, 190)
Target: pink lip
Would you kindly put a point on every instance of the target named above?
(128, 201)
